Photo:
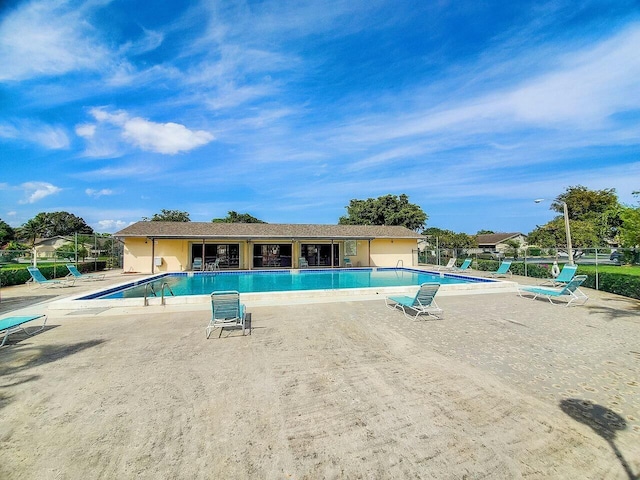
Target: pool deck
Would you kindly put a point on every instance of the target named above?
(503, 387)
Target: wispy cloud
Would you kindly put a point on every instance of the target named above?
(48, 38)
(48, 136)
(98, 193)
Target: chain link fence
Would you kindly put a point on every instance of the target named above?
(539, 262)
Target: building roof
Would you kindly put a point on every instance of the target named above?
(496, 238)
(262, 230)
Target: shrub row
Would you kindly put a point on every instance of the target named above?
(618, 283)
(20, 275)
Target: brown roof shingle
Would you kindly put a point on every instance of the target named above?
(262, 230)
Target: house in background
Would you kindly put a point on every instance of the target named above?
(151, 247)
(496, 242)
(46, 247)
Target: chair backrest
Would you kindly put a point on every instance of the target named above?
(74, 270)
(504, 266)
(425, 294)
(347, 261)
(225, 304)
(567, 273)
(574, 283)
(302, 262)
(465, 264)
(36, 274)
(197, 262)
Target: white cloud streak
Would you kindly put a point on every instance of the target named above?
(35, 191)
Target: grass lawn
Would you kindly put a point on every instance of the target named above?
(622, 269)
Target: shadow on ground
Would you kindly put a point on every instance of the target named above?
(603, 421)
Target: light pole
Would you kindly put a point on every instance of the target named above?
(567, 229)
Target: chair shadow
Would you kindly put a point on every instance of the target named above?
(603, 421)
(247, 327)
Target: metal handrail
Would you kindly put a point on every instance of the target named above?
(146, 289)
(399, 262)
(165, 284)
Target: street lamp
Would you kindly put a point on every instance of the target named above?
(566, 228)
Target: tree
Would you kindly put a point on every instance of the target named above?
(47, 225)
(6, 233)
(385, 210)
(449, 238)
(235, 217)
(514, 248)
(630, 229)
(68, 250)
(485, 232)
(168, 216)
(594, 219)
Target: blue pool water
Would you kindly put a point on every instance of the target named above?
(281, 281)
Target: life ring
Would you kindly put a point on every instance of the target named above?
(555, 270)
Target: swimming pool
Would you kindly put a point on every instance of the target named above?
(261, 281)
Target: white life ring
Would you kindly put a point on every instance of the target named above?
(555, 270)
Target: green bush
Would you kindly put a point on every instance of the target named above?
(534, 252)
(20, 275)
(618, 283)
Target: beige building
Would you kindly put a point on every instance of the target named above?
(152, 247)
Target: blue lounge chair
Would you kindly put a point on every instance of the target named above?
(75, 273)
(227, 311)
(197, 264)
(423, 303)
(347, 262)
(38, 278)
(302, 262)
(466, 264)
(503, 270)
(570, 290)
(566, 275)
(11, 325)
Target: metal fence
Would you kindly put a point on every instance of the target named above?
(598, 259)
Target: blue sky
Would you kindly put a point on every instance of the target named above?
(114, 110)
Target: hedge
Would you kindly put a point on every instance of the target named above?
(618, 283)
(19, 276)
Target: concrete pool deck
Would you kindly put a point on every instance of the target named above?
(503, 387)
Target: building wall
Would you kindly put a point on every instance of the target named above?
(387, 252)
(176, 254)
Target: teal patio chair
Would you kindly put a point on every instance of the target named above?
(197, 263)
(503, 270)
(11, 325)
(465, 265)
(423, 303)
(347, 262)
(75, 273)
(39, 279)
(570, 290)
(302, 262)
(227, 311)
(566, 275)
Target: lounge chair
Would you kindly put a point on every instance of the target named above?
(302, 262)
(38, 278)
(227, 311)
(423, 303)
(75, 273)
(570, 290)
(11, 325)
(566, 275)
(449, 266)
(465, 265)
(503, 270)
(347, 262)
(197, 264)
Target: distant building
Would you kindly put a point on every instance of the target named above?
(496, 242)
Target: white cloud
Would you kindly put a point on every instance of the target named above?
(85, 130)
(98, 193)
(111, 225)
(168, 138)
(47, 38)
(35, 191)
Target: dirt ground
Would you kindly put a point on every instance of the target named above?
(502, 388)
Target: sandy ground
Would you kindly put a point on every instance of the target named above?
(503, 387)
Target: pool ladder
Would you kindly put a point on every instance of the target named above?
(165, 285)
(400, 263)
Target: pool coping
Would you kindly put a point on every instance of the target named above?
(481, 285)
